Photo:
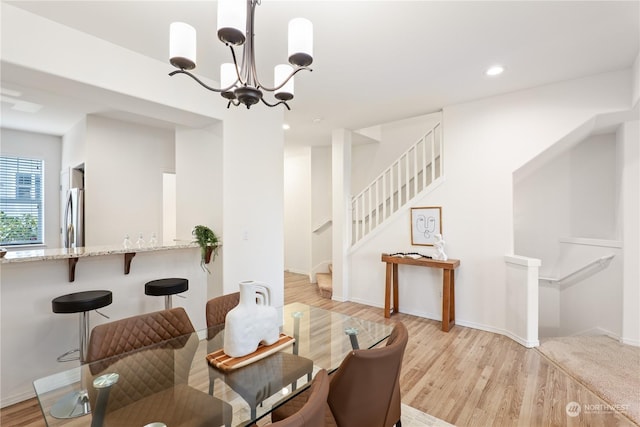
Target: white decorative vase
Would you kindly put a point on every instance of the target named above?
(252, 321)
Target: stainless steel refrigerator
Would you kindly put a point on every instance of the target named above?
(73, 227)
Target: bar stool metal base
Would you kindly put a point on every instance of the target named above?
(76, 403)
(72, 405)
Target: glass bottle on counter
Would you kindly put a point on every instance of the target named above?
(127, 242)
(140, 241)
(153, 241)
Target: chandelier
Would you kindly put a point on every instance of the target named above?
(239, 80)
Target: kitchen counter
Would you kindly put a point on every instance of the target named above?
(73, 255)
(66, 253)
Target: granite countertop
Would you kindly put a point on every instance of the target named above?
(65, 253)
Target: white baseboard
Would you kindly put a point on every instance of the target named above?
(296, 271)
(635, 343)
(365, 302)
(52, 382)
(522, 341)
(16, 398)
(438, 318)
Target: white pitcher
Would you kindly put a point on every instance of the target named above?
(252, 321)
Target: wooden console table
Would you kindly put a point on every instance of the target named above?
(448, 292)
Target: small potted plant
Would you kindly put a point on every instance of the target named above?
(208, 242)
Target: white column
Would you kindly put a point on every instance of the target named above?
(522, 299)
(341, 185)
(629, 158)
(198, 154)
(253, 199)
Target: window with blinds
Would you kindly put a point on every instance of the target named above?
(21, 201)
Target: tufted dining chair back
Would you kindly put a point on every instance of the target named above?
(152, 353)
(216, 312)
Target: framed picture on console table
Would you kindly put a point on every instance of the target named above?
(426, 222)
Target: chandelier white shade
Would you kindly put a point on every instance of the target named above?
(300, 41)
(239, 79)
(232, 20)
(182, 45)
(228, 78)
(280, 73)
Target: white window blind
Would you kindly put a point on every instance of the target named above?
(21, 201)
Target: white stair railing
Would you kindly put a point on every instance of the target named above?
(601, 262)
(406, 178)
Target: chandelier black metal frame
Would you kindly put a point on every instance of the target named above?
(239, 81)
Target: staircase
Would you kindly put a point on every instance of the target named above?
(409, 176)
(414, 172)
(325, 283)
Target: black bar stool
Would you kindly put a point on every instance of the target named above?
(83, 303)
(76, 404)
(166, 288)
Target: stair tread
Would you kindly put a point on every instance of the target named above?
(325, 284)
(324, 280)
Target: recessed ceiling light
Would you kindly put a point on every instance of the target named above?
(494, 70)
(9, 92)
(20, 105)
(286, 126)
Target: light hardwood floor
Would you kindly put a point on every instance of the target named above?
(466, 377)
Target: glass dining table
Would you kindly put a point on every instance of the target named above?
(116, 391)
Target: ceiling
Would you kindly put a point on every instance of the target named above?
(374, 61)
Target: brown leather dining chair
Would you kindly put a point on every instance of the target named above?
(152, 355)
(261, 379)
(365, 389)
(312, 413)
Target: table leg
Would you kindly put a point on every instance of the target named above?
(396, 302)
(452, 307)
(387, 292)
(448, 301)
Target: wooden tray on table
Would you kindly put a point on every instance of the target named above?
(218, 359)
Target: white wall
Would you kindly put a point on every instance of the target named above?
(297, 210)
(593, 188)
(48, 148)
(341, 143)
(253, 201)
(369, 160)
(635, 89)
(74, 145)
(307, 211)
(541, 211)
(572, 195)
(123, 180)
(199, 176)
(484, 142)
(321, 239)
(629, 202)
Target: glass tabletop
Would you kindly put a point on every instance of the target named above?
(172, 383)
